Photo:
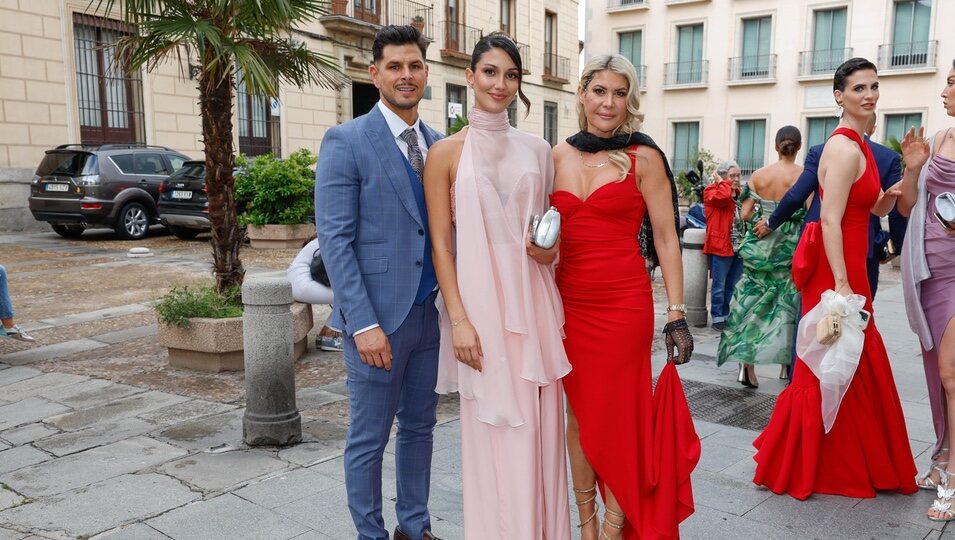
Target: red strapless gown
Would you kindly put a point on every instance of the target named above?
(867, 448)
(608, 307)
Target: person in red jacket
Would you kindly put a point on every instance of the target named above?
(724, 231)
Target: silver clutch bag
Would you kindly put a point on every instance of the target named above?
(545, 229)
(945, 210)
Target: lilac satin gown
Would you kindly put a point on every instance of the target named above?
(512, 412)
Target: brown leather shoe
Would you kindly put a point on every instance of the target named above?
(399, 535)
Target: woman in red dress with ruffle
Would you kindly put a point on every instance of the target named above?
(867, 448)
(611, 185)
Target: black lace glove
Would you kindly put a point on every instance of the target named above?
(677, 336)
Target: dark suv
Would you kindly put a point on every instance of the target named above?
(110, 185)
(183, 204)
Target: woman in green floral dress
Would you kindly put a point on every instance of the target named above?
(762, 319)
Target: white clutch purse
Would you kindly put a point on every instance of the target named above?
(546, 228)
(945, 210)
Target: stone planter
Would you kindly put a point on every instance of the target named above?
(280, 236)
(215, 345)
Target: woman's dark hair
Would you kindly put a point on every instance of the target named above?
(397, 35)
(847, 68)
(788, 140)
(953, 64)
(500, 40)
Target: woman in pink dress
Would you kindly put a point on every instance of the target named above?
(928, 276)
(501, 316)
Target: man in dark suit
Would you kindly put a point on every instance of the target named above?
(373, 232)
(890, 172)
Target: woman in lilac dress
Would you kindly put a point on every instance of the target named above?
(501, 315)
(928, 278)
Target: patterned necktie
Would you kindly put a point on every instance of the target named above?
(414, 151)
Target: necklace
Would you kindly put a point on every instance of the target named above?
(592, 166)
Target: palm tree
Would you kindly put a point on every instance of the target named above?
(251, 37)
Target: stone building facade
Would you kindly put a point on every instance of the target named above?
(725, 75)
(57, 87)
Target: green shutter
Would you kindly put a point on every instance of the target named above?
(686, 143)
(756, 47)
(690, 53)
(829, 39)
(631, 45)
(897, 124)
(750, 144)
(819, 129)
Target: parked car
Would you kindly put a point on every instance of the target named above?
(183, 204)
(108, 185)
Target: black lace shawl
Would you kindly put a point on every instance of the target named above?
(590, 143)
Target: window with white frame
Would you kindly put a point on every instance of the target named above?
(756, 48)
(750, 145)
(828, 39)
(910, 31)
(550, 122)
(686, 144)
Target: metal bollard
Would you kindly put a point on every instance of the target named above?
(695, 276)
(271, 416)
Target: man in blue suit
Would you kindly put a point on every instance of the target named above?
(373, 232)
(890, 172)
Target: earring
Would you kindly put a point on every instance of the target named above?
(839, 111)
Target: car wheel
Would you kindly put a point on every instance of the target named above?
(68, 231)
(133, 222)
(183, 233)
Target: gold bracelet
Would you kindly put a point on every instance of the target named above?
(459, 321)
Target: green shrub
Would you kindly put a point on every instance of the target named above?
(183, 303)
(459, 123)
(274, 191)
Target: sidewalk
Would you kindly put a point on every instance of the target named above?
(86, 457)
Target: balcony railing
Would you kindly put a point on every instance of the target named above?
(641, 77)
(624, 4)
(748, 166)
(459, 40)
(919, 54)
(525, 51)
(556, 68)
(822, 61)
(690, 73)
(373, 14)
(752, 68)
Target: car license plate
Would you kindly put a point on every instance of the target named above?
(57, 187)
(176, 194)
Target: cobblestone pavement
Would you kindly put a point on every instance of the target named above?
(100, 438)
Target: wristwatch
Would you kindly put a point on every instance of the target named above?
(677, 307)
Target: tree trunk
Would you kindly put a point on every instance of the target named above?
(215, 103)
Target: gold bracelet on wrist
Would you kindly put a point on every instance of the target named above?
(459, 321)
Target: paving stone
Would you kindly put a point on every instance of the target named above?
(214, 472)
(713, 524)
(28, 433)
(94, 465)
(3, 445)
(9, 499)
(27, 411)
(122, 408)
(313, 398)
(181, 412)
(48, 383)
(46, 352)
(127, 334)
(287, 487)
(208, 432)
(20, 457)
(139, 531)
(82, 513)
(783, 512)
(309, 453)
(18, 373)
(226, 517)
(97, 315)
(7, 534)
(327, 512)
(908, 508)
(90, 393)
(856, 524)
(715, 457)
(4, 366)
(312, 535)
(727, 494)
(98, 434)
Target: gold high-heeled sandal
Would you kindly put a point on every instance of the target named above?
(591, 499)
(619, 526)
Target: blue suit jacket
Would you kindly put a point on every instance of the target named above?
(370, 227)
(890, 172)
